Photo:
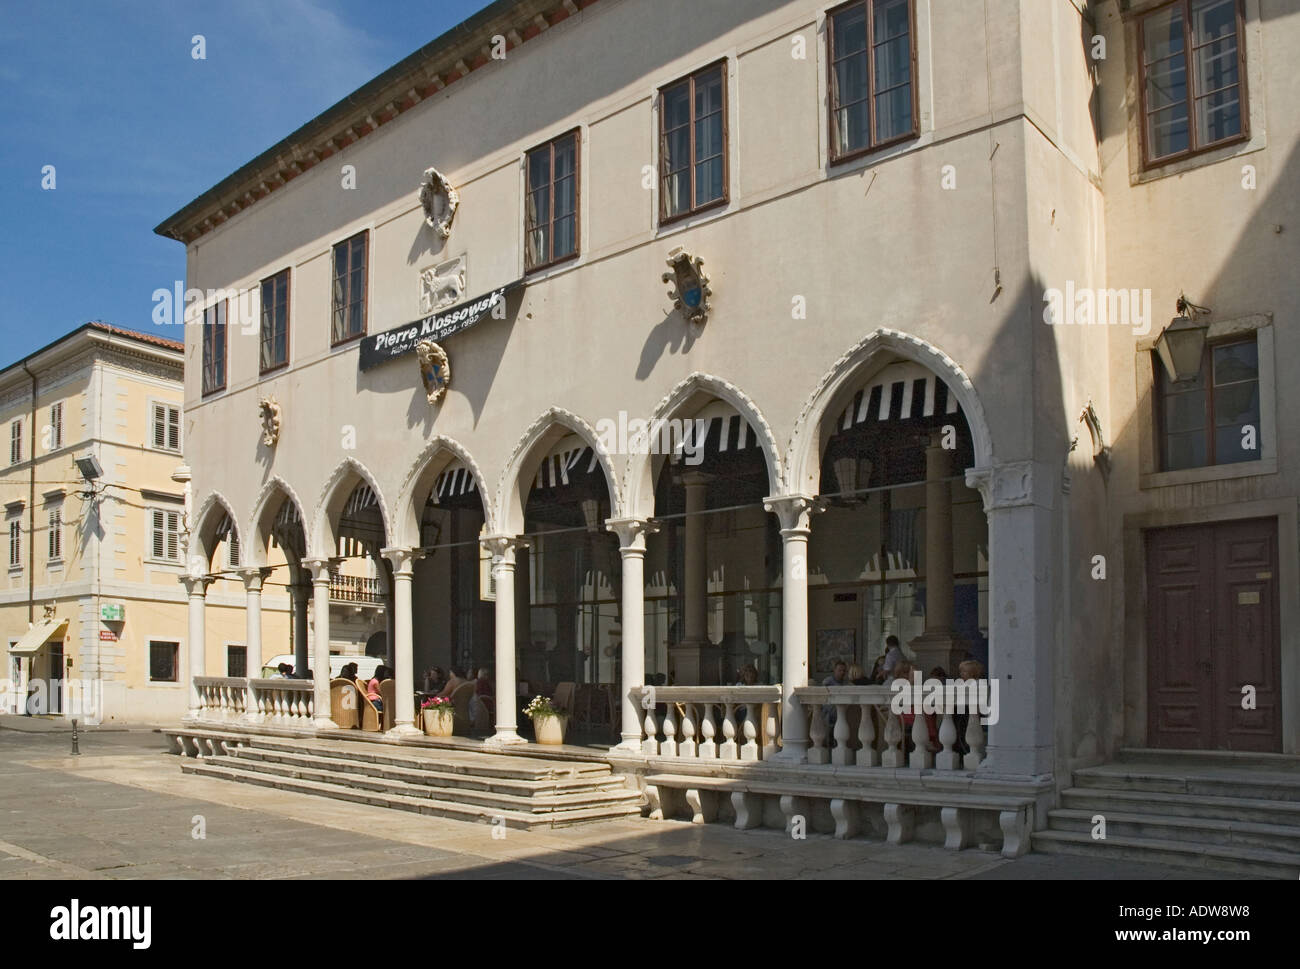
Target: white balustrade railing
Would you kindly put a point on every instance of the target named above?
(856, 725)
(281, 702)
(730, 723)
(222, 699)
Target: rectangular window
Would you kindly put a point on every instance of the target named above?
(236, 661)
(214, 348)
(166, 427)
(349, 289)
(164, 535)
(1190, 109)
(15, 442)
(275, 321)
(1213, 419)
(693, 143)
(56, 534)
(15, 544)
(56, 426)
(551, 207)
(871, 55)
(164, 661)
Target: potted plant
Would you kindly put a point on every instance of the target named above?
(437, 715)
(548, 723)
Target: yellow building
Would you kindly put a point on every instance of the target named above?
(91, 608)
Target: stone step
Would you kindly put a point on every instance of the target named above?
(225, 769)
(536, 803)
(433, 774)
(478, 763)
(1255, 810)
(1234, 859)
(1207, 758)
(1146, 827)
(1254, 784)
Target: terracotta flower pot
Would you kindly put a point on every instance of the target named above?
(437, 721)
(550, 730)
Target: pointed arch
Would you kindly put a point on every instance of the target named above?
(694, 389)
(322, 540)
(433, 460)
(203, 538)
(541, 435)
(265, 511)
(880, 348)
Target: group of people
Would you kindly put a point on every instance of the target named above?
(285, 672)
(439, 682)
(369, 687)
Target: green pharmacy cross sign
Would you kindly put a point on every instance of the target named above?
(114, 613)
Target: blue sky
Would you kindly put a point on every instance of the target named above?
(107, 92)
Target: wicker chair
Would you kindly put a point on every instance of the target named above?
(461, 722)
(388, 694)
(345, 707)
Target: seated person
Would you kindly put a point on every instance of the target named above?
(483, 685)
(372, 688)
(903, 671)
(349, 672)
(857, 677)
(434, 680)
(971, 669)
(457, 678)
(748, 675)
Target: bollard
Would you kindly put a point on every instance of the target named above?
(74, 739)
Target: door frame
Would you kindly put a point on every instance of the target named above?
(1135, 595)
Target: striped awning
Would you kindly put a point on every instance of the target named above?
(723, 434)
(361, 499)
(456, 482)
(288, 515)
(901, 392)
(563, 468)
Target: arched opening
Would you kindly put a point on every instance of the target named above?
(279, 544)
(901, 547)
(361, 579)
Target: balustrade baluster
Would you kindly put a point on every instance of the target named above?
(669, 746)
(729, 749)
(650, 733)
(770, 731)
(893, 756)
(948, 758)
(921, 757)
(749, 749)
(974, 740)
(708, 749)
(817, 728)
(868, 756)
(686, 746)
(841, 755)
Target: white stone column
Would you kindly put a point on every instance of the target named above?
(320, 581)
(1018, 502)
(503, 549)
(403, 650)
(253, 580)
(300, 596)
(795, 514)
(196, 587)
(631, 539)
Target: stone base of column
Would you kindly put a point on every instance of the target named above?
(324, 723)
(404, 730)
(628, 745)
(504, 738)
(791, 752)
(938, 649)
(695, 663)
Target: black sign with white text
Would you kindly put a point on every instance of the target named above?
(401, 340)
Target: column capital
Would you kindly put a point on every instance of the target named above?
(1012, 485)
(319, 568)
(631, 532)
(794, 511)
(403, 558)
(503, 548)
(253, 578)
(196, 585)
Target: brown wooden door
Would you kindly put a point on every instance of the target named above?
(1212, 629)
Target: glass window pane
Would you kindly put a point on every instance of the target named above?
(565, 154)
(1218, 116)
(539, 168)
(851, 127)
(677, 150)
(893, 63)
(565, 197)
(1167, 131)
(564, 237)
(1229, 441)
(1166, 83)
(1162, 34)
(850, 31)
(677, 193)
(1213, 19)
(355, 322)
(894, 113)
(540, 205)
(677, 106)
(708, 93)
(708, 181)
(1185, 412)
(851, 80)
(891, 20)
(1237, 361)
(1185, 451)
(1237, 404)
(537, 240)
(708, 137)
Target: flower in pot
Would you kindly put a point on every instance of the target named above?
(437, 715)
(548, 722)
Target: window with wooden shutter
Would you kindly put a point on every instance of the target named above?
(15, 442)
(56, 534)
(166, 427)
(232, 550)
(15, 544)
(56, 426)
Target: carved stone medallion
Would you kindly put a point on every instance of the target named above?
(435, 369)
(270, 412)
(439, 201)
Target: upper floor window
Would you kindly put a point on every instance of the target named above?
(166, 427)
(275, 321)
(872, 89)
(1185, 111)
(1213, 419)
(164, 535)
(15, 544)
(15, 442)
(214, 348)
(56, 426)
(349, 289)
(551, 216)
(693, 143)
(56, 534)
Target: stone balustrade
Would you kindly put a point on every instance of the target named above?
(222, 699)
(281, 702)
(727, 723)
(865, 732)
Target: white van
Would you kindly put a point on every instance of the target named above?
(366, 665)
